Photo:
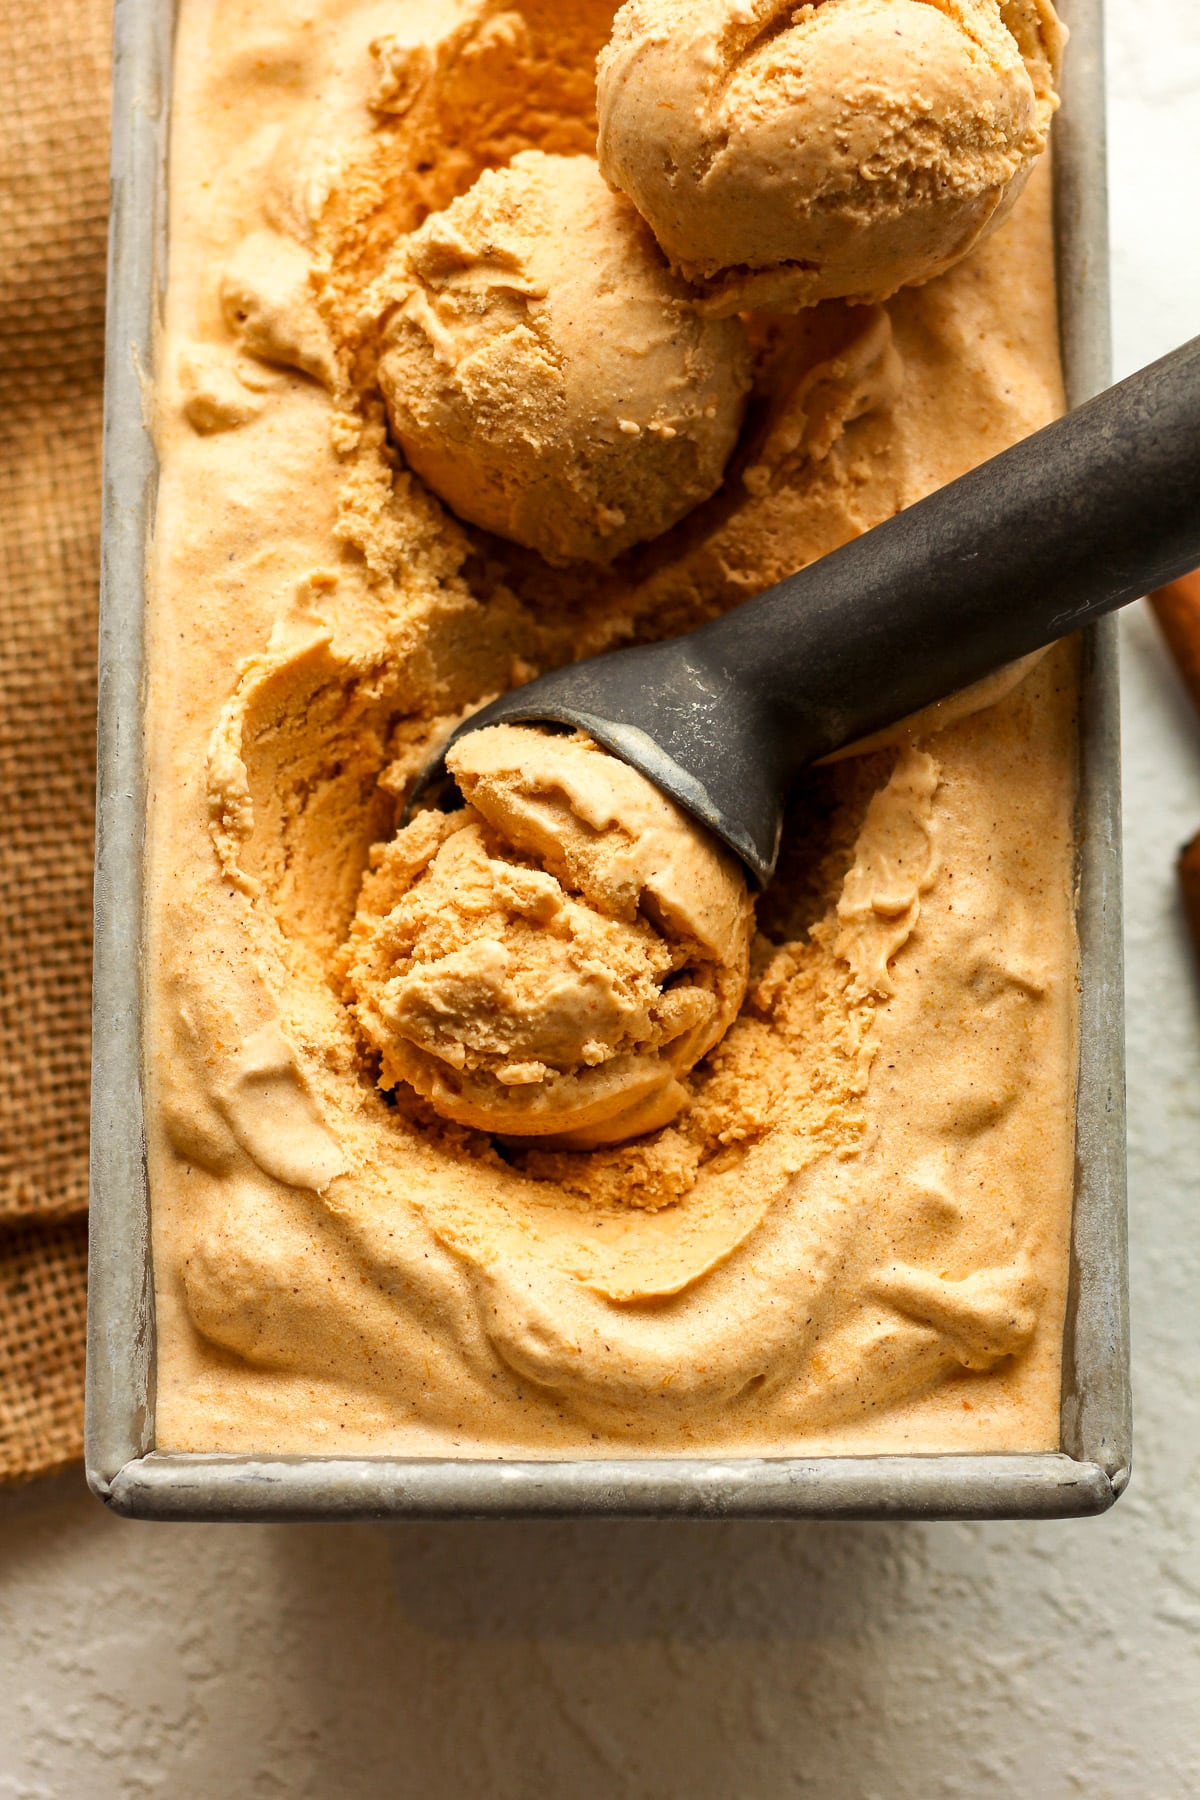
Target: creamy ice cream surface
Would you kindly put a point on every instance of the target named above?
(800, 1182)
(546, 373)
(785, 155)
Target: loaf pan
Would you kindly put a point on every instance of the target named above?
(1089, 1471)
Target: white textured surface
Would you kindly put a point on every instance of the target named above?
(720, 1662)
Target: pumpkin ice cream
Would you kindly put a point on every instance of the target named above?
(545, 372)
(787, 154)
(547, 962)
(839, 1220)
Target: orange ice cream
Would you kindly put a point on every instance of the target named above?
(787, 154)
(840, 1221)
(545, 372)
(549, 961)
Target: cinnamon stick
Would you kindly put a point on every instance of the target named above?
(1177, 609)
(1189, 882)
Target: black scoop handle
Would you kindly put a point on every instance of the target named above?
(1078, 519)
(1089, 513)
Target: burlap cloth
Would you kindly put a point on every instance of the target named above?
(53, 207)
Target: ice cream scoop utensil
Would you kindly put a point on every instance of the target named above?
(1081, 518)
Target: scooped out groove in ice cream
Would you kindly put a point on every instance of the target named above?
(545, 372)
(551, 960)
(788, 154)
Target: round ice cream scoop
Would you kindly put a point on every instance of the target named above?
(787, 154)
(1080, 518)
(545, 372)
(549, 961)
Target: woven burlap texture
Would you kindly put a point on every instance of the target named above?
(53, 207)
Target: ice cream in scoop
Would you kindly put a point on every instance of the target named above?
(551, 960)
(788, 154)
(545, 372)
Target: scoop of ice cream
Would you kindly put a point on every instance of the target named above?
(787, 154)
(547, 374)
(549, 961)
